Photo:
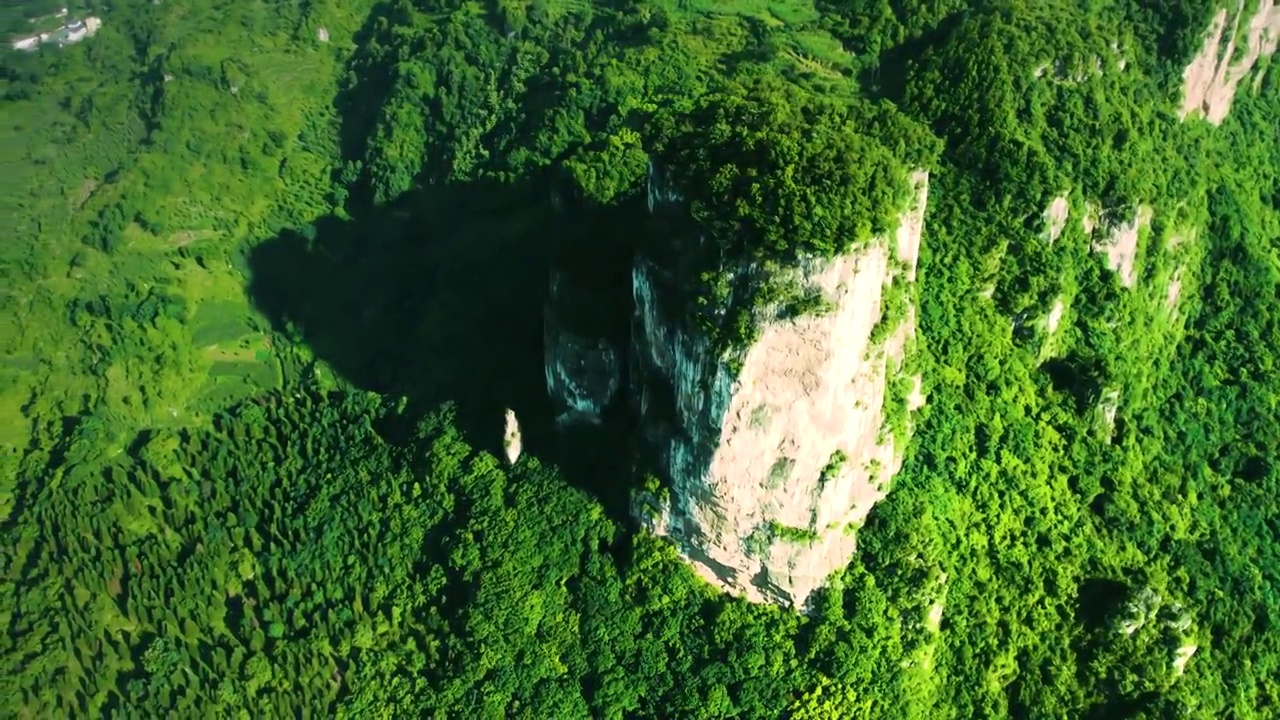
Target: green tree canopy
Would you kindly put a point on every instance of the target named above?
(775, 171)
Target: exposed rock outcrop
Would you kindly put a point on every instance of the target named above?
(1055, 218)
(1121, 244)
(1171, 622)
(1211, 79)
(1173, 290)
(1054, 318)
(771, 466)
(1108, 406)
(512, 444)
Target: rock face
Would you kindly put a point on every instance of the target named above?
(1211, 79)
(1055, 218)
(512, 445)
(1121, 244)
(1170, 621)
(583, 370)
(772, 467)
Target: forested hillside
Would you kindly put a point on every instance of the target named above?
(273, 271)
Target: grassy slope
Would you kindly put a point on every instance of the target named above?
(219, 171)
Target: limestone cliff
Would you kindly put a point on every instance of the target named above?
(772, 466)
(1233, 45)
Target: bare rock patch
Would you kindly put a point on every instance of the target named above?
(1211, 79)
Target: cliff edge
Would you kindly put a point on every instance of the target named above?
(769, 464)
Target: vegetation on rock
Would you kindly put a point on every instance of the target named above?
(772, 173)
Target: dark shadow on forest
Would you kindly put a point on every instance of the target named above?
(1099, 600)
(888, 78)
(436, 299)
(440, 299)
(1076, 377)
(359, 103)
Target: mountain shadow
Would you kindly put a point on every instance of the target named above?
(440, 299)
(436, 299)
(1076, 377)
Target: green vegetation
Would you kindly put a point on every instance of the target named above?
(779, 472)
(893, 310)
(20, 18)
(267, 297)
(785, 294)
(774, 172)
(758, 542)
(834, 466)
(787, 533)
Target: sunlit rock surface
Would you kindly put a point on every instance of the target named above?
(1120, 244)
(772, 468)
(512, 443)
(1234, 44)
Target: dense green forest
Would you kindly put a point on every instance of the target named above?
(272, 271)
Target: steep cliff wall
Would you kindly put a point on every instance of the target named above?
(1211, 80)
(772, 467)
